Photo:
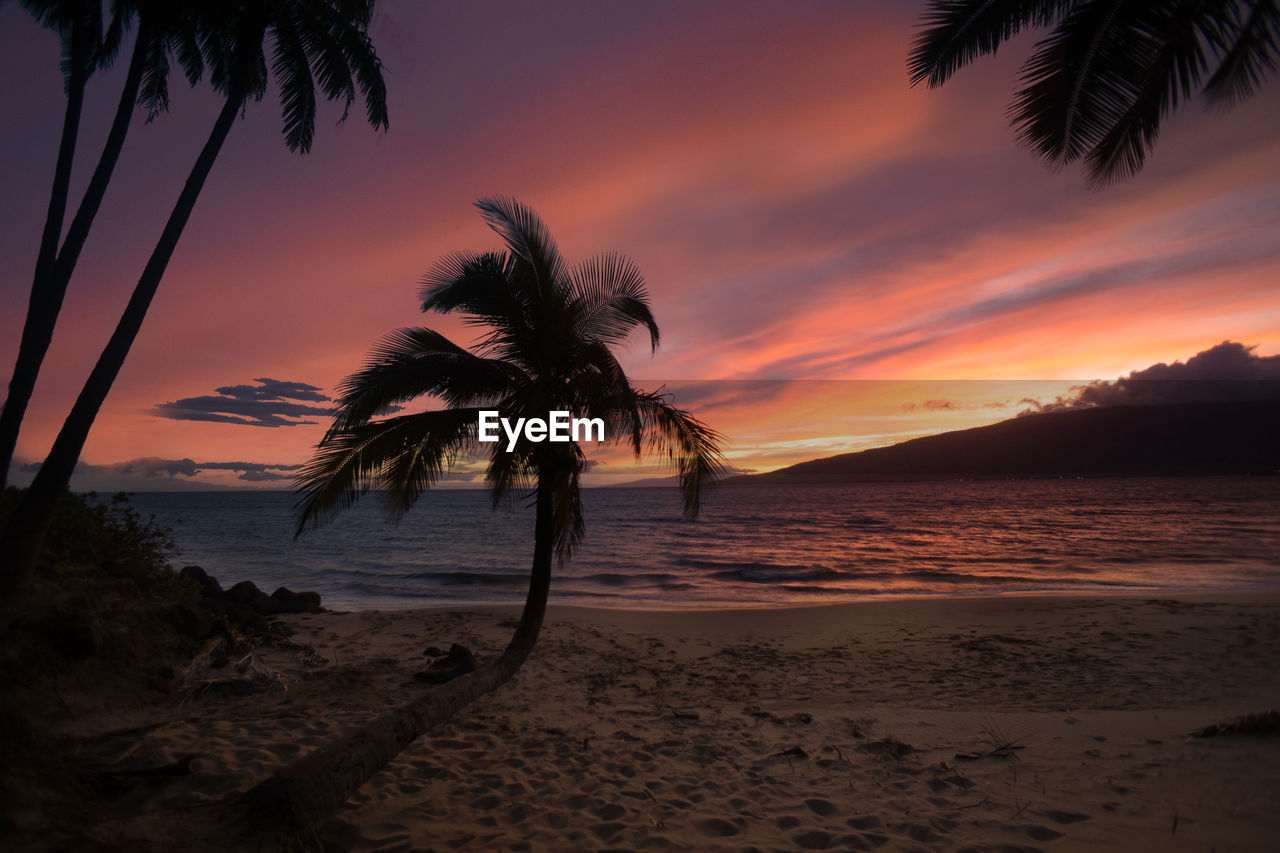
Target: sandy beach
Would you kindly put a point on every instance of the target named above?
(1005, 723)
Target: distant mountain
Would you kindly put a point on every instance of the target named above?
(647, 483)
(1117, 441)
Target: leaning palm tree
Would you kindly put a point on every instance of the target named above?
(315, 42)
(165, 29)
(547, 346)
(1099, 84)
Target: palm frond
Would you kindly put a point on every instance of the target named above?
(956, 32)
(292, 68)
(566, 491)
(610, 299)
(508, 475)
(474, 283)
(112, 35)
(1165, 61)
(686, 442)
(416, 362)
(367, 68)
(1251, 55)
(1073, 85)
(153, 91)
(329, 59)
(187, 45)
(404, 455)
(479, 286)
(527, 237)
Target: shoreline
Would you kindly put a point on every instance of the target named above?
(1245, 593)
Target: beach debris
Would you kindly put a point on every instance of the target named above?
(998, 746)
(458, 661)
(1259, 723)
(252, 674)
(1019, 807)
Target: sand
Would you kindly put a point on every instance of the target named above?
(1002, 723)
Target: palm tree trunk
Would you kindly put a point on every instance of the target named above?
(24, 535)
(299, 799)
(15, 404)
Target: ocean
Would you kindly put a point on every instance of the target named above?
(754, 546)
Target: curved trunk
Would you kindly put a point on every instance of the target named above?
(300, 798)
(15, 404)
(24, 535)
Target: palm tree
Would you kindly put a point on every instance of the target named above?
(79, 25)
(1098, 86)
(549, 329)
(164, 28)
(321, 42)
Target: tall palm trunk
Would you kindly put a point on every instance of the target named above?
(15, 404)
(303, 796)
(22, 539)
(54, 266)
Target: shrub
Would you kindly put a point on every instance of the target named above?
(102, 537)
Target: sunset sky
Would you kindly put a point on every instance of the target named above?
(800, 213)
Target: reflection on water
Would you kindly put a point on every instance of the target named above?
(752, 545)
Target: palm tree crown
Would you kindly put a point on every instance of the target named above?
(549, 329)
(320, 44)
(1099, 84)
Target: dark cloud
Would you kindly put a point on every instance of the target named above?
(273, 389)
(152, 466)
(263, 476)
(247, 467)
(267, 404)
(1228, 372)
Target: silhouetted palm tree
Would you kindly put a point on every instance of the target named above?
(1099, 84)
(322, 42)
(164, 28)
(549, 329)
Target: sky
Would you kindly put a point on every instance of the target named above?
(828, 250)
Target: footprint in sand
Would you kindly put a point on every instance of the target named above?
(822, 808)
(714, 827)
